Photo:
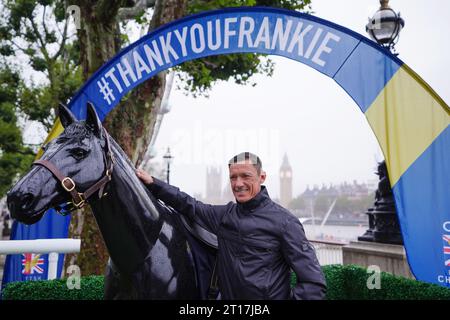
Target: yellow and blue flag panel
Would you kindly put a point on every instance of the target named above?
(409, 119)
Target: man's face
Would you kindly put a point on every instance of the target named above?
(245, 180)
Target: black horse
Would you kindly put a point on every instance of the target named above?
(150, 257)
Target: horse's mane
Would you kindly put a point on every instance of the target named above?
(133, 182)
(77, 130)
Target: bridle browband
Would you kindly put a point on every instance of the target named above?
(78, 198)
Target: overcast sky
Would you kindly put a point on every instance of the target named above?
(299, 111)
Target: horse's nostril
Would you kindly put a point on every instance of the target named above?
(26, 201)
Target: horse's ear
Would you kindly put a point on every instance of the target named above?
(65, 115)
(92, 120)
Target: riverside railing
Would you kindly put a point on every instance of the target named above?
(328, 252)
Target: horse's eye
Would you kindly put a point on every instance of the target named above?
(79, 153)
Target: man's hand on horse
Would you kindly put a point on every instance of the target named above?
(144, 176)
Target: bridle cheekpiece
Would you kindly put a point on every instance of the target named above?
(79, 198)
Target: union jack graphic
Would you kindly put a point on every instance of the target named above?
(32, 263)
(446, 238)
(446, 250)
(447, 263)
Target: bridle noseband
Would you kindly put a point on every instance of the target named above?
(78, 198)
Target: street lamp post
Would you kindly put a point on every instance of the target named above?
(383, 221)
(168, 159)
(385, 26)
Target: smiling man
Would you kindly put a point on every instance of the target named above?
(259, 242)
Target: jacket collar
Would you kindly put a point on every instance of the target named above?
(261, 199)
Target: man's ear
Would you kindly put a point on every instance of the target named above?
(92, 120)
(65, 115)
(262, 176)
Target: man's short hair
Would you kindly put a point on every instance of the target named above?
(243, 156)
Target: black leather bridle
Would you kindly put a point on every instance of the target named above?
(78, 198)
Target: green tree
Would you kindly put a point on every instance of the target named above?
(36, 32)
(358, 205)
(322, 204)
(15, 157)
(298, 203)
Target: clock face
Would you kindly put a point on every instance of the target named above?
(285, 174)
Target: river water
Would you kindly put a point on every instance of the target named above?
(334, 233)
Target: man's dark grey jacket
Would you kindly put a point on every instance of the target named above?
(259, 241)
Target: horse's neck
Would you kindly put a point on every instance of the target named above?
(126, 216)
(131, 187)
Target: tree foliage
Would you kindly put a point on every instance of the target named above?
(298, 203)
(344, 204)
(36, 32)
(34, 42)
(15, 158)
(358, 205)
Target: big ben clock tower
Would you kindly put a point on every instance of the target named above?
(285, 182)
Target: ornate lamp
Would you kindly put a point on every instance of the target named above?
(383, 221)
(168, 160)
(385, 26)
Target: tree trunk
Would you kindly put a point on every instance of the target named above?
(99, 35)
(131, 123)
(99, 40)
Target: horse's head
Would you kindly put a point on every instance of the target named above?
(77, 157)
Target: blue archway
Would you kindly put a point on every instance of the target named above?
(409, 119)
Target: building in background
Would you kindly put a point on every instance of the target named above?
(213, 185)
(285, 182)
(227, 194)
(343, 204)
(218, 191)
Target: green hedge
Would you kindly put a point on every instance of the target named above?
(344, 283)
(91, 288)
(350, 283)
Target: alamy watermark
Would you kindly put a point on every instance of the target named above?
(210, 146)
(374, 280)
(75, 12)
(74, 280)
